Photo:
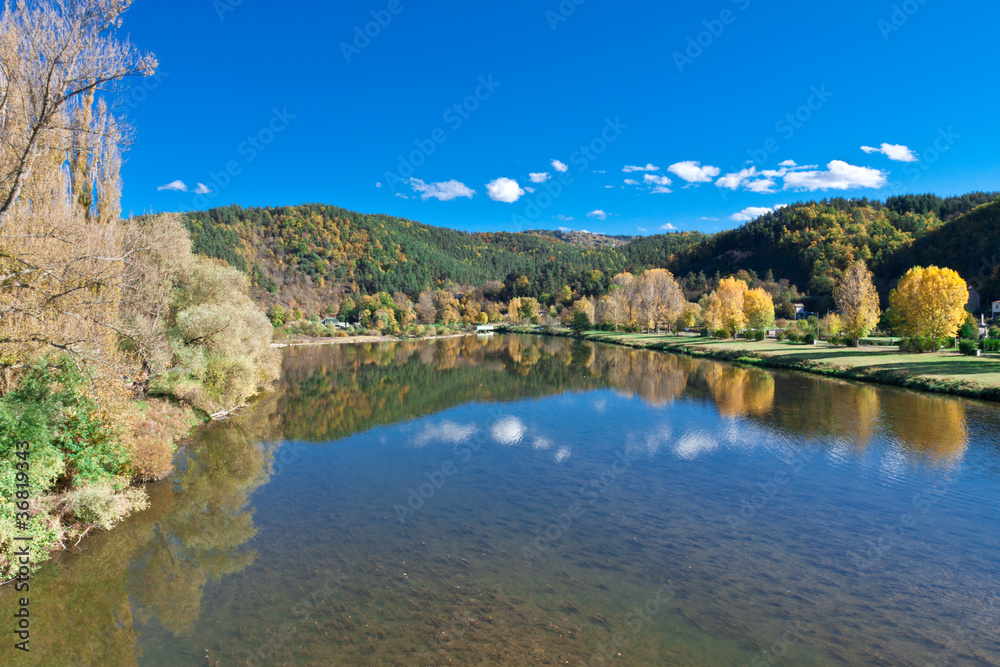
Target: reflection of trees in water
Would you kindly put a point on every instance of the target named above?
(931, 426)
(200, 539)
(199, 520)
(739, 391)
(655, 377)
(155, 564)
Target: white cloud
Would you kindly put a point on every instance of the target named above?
(446, 431)
(444, 191)
(559, 166)
(788, 163)
(708, 219)
(599, 214)
(631, 181)
(529, 190)
(761, 186)
(401, 195)
(176, 186)
(694, 443)
(661, 183)
(563, 218)
(896, 152)
(565, 229)
(641, 229)
(668, 227)
(202, 189)
(539, 178)
(751, 213)
(508, 431)
(694, 172)
(649, 167)
(378, 185)
(504, 190)
(839, 176)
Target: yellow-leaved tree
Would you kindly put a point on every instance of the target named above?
(725, 306)
(929, 302)
(758, 306)
(858, 302)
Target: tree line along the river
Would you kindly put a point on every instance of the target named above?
(114, 336)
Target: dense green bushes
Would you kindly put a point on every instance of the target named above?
(79, 462)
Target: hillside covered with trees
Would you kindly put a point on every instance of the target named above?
(313, 255)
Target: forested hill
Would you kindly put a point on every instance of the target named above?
(314, 253)
(297, 249)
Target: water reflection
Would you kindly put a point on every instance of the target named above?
(166, 569)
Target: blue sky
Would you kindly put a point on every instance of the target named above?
(686, 116)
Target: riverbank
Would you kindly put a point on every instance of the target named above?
(943, 372)
(302, 341)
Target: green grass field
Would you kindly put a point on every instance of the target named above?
(945, 371)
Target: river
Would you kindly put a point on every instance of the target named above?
(520, 500)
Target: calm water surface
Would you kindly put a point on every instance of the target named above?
(532, 501)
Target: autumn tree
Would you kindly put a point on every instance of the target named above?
(689, 316)
(858, 302)
(758, 306)
(628, 291)
(929, 302)
(725, 307)
(661, 298)
(514, 311)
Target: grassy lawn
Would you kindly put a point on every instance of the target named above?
(941, 367)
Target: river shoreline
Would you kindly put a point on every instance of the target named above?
(941, 372)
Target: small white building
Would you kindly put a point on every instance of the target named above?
(996, 309)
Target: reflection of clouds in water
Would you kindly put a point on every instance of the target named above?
(600, 405)
(562, 454)
(542, 442)
(446, 431)
(508, 431)
(695, 443)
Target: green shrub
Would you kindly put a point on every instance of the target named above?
(721, 333)
(991, 345)
(968, 332)
(967, 347)
(809, 338)
(759, 335)
(994, 332)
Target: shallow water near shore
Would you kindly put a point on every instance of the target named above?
(517, 500)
